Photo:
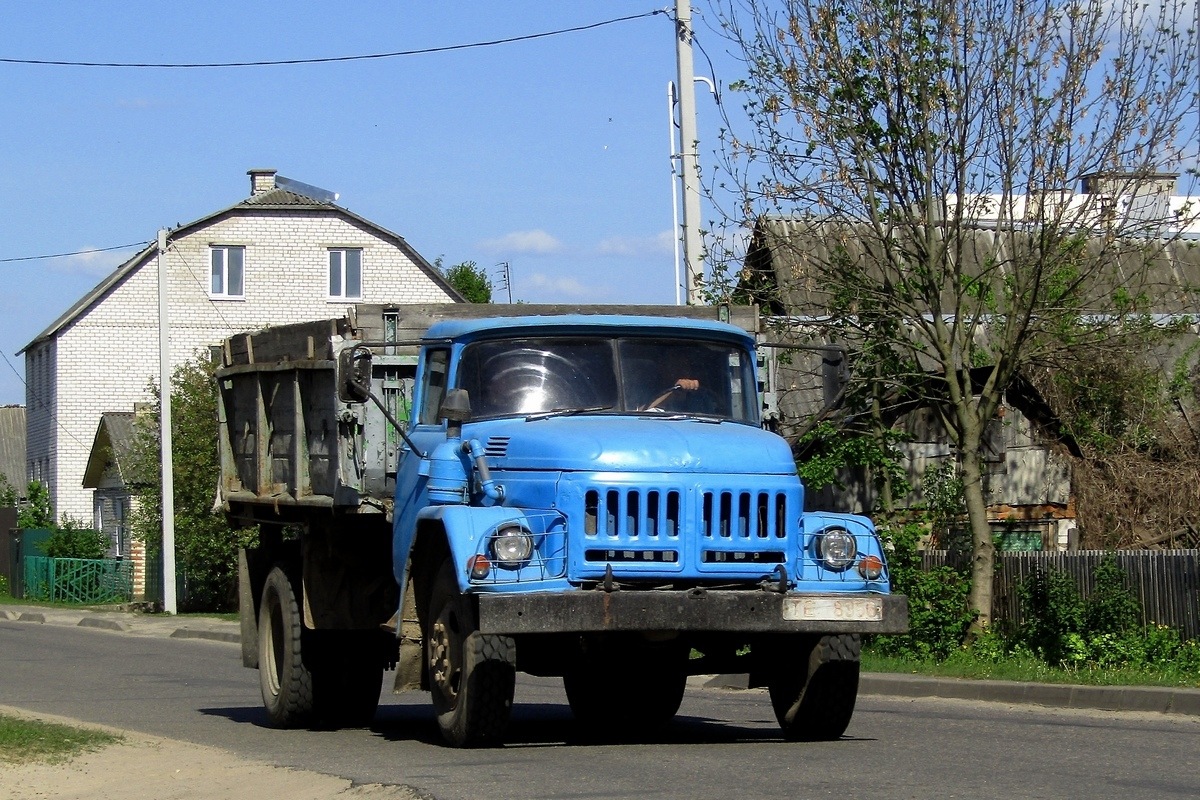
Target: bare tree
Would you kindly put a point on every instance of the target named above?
(924, 155)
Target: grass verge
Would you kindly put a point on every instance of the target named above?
(1029, 670)
(23, 741)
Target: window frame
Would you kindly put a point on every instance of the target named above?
(224, 250)
(342, 267)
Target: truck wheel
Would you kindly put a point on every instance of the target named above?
(287, 684)
(472, 676)
(607, 698)
(347, 684)
(814, 698)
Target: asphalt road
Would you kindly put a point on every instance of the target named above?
(723, 744)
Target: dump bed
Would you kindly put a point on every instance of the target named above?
(289, 444)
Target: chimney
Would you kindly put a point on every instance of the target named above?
(261, 181)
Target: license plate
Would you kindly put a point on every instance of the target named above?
(833, 609)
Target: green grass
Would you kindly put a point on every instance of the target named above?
(25, 741)
(1029, 670)
(8, 600)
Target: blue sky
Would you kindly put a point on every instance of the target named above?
(551, 154)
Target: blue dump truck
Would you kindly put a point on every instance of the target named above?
(459, 493)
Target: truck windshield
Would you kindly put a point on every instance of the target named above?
(641, 375)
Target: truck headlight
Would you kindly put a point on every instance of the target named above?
(512, 544)
(836, 548)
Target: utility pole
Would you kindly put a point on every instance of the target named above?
(164, 427)
(693, 257)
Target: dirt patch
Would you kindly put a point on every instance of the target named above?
(143, 768)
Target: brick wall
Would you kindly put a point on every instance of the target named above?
(105, 359)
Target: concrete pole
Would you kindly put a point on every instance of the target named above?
(689, 165)
(164, 426)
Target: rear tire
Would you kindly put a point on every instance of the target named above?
(814, 696)
(624, 690)
(348, 681)
(285, 680)
(472, 676)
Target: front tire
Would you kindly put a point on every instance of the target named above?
(814, 696)
(472, 676)
(285, 680)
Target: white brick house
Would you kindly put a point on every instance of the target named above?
(278, 256)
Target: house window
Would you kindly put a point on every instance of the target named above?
(345, 273)
(228, 270)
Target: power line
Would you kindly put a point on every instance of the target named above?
(75, 253)
(330, 59)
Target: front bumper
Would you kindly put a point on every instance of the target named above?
(696, 610)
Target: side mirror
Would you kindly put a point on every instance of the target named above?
(354, 375)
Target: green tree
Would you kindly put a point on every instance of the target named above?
(206, 548)
(470, 280)
(37, 512)
(891, 132)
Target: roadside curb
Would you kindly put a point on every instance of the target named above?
(214, 636)
(1156, 699)
(1163, 700)
(106, 624)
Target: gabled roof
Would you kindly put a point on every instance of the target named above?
(275, 199)
(114, 437)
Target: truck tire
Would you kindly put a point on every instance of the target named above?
(286, 682)
(472, 676)
(639, 693)
(347, 682)
(814, 696)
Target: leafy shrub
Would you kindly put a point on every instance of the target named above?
(1111, 607)
(71, 539)
(4, 590)
(938, 612)
(1052, 612)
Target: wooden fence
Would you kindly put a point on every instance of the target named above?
(1165, 582)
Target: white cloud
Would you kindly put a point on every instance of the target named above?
(535, 242)
(545, 288)
(89, 262)
(638, 246)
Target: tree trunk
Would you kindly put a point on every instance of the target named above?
(983, 555)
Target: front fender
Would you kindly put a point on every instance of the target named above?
(466, 528)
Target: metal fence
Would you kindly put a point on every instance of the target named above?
(1166, 583)
(78, 580)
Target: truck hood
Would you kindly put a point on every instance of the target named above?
(632, 444)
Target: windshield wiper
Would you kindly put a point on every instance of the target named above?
(565, 412)
(675, 416)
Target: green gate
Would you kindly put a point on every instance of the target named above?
(79, 580)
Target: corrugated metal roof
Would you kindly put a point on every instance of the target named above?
(282, 197)
(787, 264)
(12, 446)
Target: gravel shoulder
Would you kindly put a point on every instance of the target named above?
(145, 768)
